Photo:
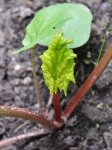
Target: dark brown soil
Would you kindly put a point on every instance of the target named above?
(90, 127)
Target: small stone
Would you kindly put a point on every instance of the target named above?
(15, 82)
(25, 12)
(96, 29)
(2, 73)
(69, 141)
(105, 6)
(16, 90)
(73, 148)
(93, 134)
(94, 147)
(2, 130)
(9, 95)
(108, 139)
(2, 58)
(99, 106)
(96, 115)
(17, 67)
(110, 1)
(27, 81)
(2, 38)
(38, 4)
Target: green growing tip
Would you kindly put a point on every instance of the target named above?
(58, 64)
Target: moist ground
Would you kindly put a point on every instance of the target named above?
(90, 127)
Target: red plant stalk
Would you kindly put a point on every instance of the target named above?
(9, 141)
(57, 108)
(88, 83)
(25, 114)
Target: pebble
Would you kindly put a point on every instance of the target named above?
(2, 73)
(6, 96)
(93, 134)
(99, 106)
(105, 6)
(108, 139)
(25, 12)
(2, 38)
(2, 59)
(38, 4)
(69, 141)
(2, 130)
(96, 115)
(15, 82)
(16, 90)
(26, 81)
(17, 67)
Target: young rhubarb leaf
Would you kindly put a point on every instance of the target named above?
(58, 64)
(74, 20)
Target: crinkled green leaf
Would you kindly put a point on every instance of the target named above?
(58, 64)
(74, 20)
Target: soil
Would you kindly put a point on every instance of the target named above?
(90, 126)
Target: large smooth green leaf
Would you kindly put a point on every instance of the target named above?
(74, 20)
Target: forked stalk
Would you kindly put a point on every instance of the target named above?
(88, 83)
(35, 79)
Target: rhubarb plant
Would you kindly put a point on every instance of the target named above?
(73, 20)
(60, 27)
